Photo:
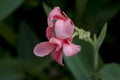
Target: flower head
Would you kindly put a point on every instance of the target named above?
(59, 25)
(59, 33)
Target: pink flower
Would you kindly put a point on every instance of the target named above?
(59, 33)
(55, 47)
(59, 26)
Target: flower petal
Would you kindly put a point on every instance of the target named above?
(57, 42)
(43, 49)
(55, 14)
(69, 27)
(57, 56)
(71, 49)
(63, 29)
(49, 32)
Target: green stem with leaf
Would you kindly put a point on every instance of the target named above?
(96, 43)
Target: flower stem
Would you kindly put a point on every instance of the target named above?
(85, 35)
(96, 65)
(96, 59)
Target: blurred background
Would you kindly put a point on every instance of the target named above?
(23, 24)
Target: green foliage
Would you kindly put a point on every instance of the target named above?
(8, 6)
(46, 8)
(27, 38)
(7, 33)
(110, 72)
(81, 65)
(102, 36)
(85, 65)
(9, 70)
(96, 13)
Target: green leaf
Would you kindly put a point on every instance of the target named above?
(99, 17)
(110, 72)
(103, 16)
(101, 36)
(46, 8)
(8, 6)
(81, 65)
(32, 64)
(27, 41)
(9, 70)
(8, 34)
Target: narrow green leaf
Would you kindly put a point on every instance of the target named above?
(81, 65)
(46, 8)
(27, 41)
(32, 64)
(110, 72)
(99, 17)
(8, 34)
(103, 16)
(101, 36)
(8, 6)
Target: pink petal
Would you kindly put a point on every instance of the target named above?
(43, 49)
(63, 29)
(69, 27)
(57, 42)
(57, 56)
(55, 14)
(71, 49)
(49, 32)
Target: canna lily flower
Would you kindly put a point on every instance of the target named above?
(59, 33)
